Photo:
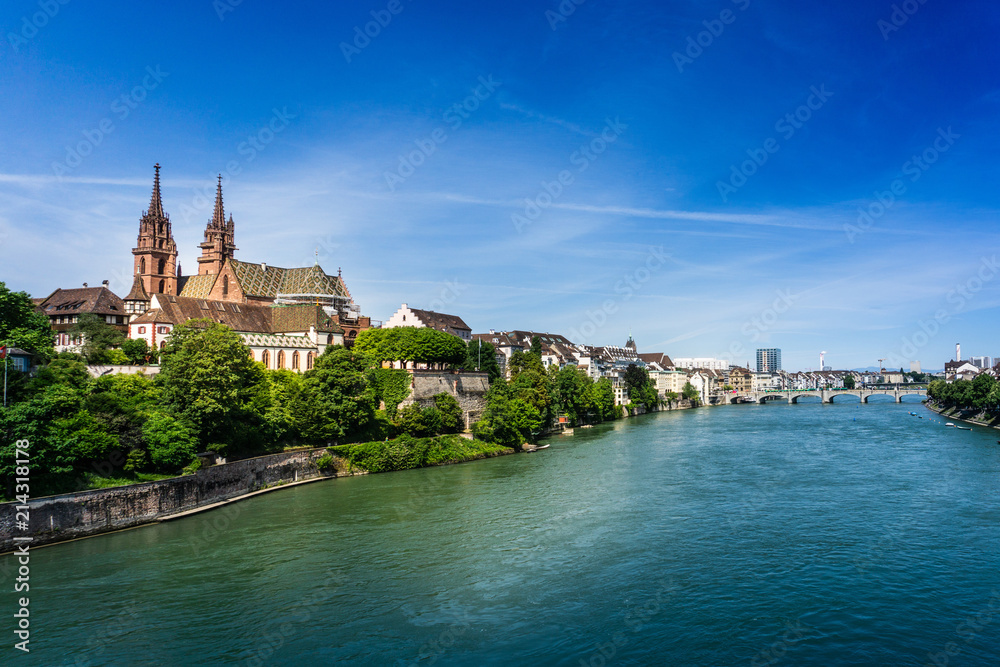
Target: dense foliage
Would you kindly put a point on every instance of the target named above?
(409, 344)
(22, 326)
(211, 395)
(981, 394)
(405, 453)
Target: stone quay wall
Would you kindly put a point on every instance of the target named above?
(73, 515)
(469, 389)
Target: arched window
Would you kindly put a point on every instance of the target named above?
(225, 285)
(295, 361)
(142, 265)
(160, 267)
(163, 344)
(161, 287)
(281, 359)
(265, 358)
(309, 361)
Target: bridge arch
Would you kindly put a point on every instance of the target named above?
(837, 394)
(796, 398)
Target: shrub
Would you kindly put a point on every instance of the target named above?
(171, 443)
(325, 462)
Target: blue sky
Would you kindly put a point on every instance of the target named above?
(618, 99)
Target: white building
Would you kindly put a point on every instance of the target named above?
(428, 319)
(701, 362)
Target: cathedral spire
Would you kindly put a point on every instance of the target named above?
(155, 202)
(219, 218)
(155, 251)
(220, 238)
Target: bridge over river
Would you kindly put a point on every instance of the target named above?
(826, 395)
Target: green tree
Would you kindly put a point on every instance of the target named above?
(536, 347)
(209, 380)
(606, 399)
(636, 379)
(483, 357)
(452, 415)
(22, 326)
(66, 369)
(410, 344)
(137, 351)
(172, 444)
(848, 381)
(981, 392)
(340, 403)
(690, 393)
(508, 420)
(99, 338)
(52, 458)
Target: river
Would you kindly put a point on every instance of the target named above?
(807, 534)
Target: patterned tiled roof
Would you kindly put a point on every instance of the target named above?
(269, 281)
(300, 317)
(197, 287)
(237, 316)
(277, 340)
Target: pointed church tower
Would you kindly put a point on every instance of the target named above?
(220, 239)
(155, 252)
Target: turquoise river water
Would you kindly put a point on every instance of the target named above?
(807, 534)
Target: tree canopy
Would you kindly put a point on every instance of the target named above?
(421, 345)
(22, 326)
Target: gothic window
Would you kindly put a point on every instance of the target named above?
(265, 358)
(161, 287)
(142, 265)
(295, 361)
(281, 359)
(309, 361)
(160, 267)
(225, 285)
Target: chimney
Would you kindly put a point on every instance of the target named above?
(104, 282)
(263, 266)
(958, 351)
(85, 285)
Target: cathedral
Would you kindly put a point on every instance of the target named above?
(283, 314)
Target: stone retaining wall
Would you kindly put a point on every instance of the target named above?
(72, 515)
(469, 389)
